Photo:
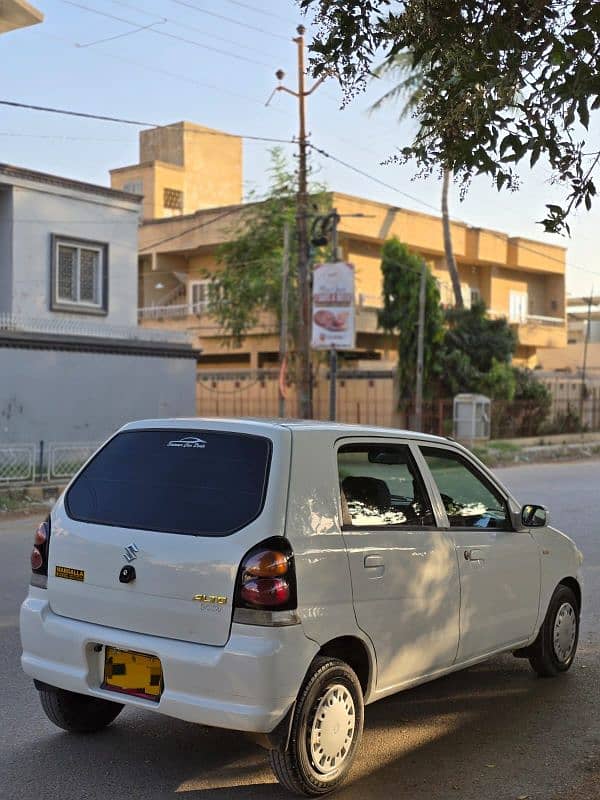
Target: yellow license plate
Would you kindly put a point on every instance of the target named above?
(133, 673)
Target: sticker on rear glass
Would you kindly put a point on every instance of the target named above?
(70, 573)
(187, 441)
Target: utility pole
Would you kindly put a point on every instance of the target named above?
(420, 344)
(304, 351)
(283, 333)
(333, 359)
(585, 350)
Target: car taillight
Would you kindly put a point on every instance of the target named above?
(39, 555)
(266, 579)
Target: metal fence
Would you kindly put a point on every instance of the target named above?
(17, 463)
(43, 462)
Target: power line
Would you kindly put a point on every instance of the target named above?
(186, 26)
(138, 123)
(437, 210)
(226, 213)
(176, 75)
(258, 10)
(228, 53)
(231, 20)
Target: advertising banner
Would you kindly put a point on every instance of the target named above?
(333, 323)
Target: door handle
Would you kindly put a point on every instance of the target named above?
(375, 565)
(474, 555)
(373, 561)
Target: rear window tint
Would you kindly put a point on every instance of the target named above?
(206, 483)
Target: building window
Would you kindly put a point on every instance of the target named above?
(201, 294)
(135, 187)
(173, 199)
(79, 276)
(475, 295)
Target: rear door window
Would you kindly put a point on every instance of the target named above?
(209, 483)
(381, 487)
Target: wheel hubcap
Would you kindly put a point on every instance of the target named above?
(332, 729)
(565, 631)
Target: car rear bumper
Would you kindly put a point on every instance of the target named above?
(248, 685)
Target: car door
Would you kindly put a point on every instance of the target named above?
(404, 570)
(499, 567)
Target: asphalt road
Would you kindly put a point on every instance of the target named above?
(493, 732)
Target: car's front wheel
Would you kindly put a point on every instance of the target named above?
(554, 649)
(325, 732)
(77, 713)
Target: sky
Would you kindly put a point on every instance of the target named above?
(213, 62)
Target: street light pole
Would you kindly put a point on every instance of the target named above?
(333, 358)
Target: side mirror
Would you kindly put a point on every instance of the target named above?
(534, 516)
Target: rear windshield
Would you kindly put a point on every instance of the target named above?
(206, 483)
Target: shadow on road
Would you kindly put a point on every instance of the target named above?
(494, 731)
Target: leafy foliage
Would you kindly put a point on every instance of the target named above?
(505, 81)
(400, 314)
(248, 280)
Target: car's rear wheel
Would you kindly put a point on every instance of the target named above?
(77, 713)
(325, 731)
(554, 649)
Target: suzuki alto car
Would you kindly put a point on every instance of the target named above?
(275, 577)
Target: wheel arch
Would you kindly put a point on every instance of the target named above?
(574, 585)
(356, 653)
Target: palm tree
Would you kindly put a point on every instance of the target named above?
(409, 90)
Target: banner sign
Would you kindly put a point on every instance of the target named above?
(333, 316)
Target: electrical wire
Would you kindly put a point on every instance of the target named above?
(183, 39)
(138, 123)
(186, 26)
(231, 20)
(497, 235)
(226, 213)
(222, 90)
(258, 10)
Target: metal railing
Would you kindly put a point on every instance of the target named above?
(29, 463)
(17, 463)
(65, 326)
(173, 311)
(67, 458)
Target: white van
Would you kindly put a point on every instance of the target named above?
(275, 577)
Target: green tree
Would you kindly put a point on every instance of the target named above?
(400, 314)
(247, 282)
(408, 90)
(476, 353)
(503, 82)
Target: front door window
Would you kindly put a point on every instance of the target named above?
(469, 499)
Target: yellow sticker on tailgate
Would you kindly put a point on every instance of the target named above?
(70, 573)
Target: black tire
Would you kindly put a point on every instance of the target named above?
(546, 657)
(294, 766)
(77, 713)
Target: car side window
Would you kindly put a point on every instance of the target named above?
(469, 499)
(381, 486)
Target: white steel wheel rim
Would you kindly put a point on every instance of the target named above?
(565, 631)
(332, 730)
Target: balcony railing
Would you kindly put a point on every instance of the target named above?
(529, 319)
(64, 326)
(172, 311)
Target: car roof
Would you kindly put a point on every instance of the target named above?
(255, 424)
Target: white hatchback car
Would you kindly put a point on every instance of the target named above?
(275, 577)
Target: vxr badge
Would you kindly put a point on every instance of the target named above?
(131, 552)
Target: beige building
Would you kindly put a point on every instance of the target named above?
(520, 279)
(16, 14)
(183, 168)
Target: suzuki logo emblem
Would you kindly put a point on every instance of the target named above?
(131, 552)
